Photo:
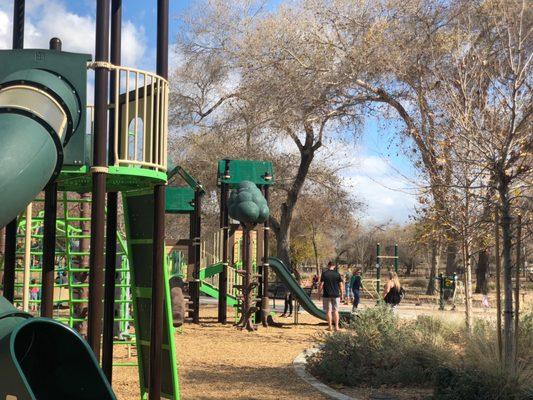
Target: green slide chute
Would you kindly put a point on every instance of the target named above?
(43, 359)
(39, 111)
(303, 298)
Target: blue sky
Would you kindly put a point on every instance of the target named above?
(379, 175)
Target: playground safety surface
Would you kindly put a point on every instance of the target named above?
(222, 362)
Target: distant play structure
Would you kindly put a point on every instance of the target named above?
(379, 261)
(223, 265)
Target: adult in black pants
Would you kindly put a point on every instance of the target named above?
(288, 303)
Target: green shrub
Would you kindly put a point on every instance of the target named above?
(379, 349)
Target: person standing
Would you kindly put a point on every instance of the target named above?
(332, 290)
(356, 284)
(287, 306)
(392, 294)
(347, 291)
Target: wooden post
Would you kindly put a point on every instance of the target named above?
(10, 256)
(49, 250)
(99, 176)
(156, 326)
(265, 305)
(112, 205)
(224, 224)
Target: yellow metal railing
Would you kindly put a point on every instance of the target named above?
(141, 121)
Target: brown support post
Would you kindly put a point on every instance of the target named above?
(10, 256)
(49, 250)
(498, 283)
(197, 256)
(49, 235)
(18, 24)
(265, 305)
(517, 284)
(191, 265)
(156, 327)
(99, 172)
(112, 202)
(223, 277)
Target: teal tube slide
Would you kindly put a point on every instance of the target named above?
(28, 157)
(39, 110)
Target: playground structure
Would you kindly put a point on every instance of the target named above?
(221, 267)
(71, 271)
(84, 155)
(46, 146)
(379, 260)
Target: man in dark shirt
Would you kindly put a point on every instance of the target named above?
(332, 290)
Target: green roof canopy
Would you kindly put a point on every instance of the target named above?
(232, 172)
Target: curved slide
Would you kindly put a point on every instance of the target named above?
(284, 274)
(39, 111)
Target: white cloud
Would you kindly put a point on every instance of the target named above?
(47, 19)
(5, 30)
(386, 193)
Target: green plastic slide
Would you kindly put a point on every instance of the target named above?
(283, 273)
(39, 111)
(210, 290)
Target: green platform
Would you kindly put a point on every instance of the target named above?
(123, 179)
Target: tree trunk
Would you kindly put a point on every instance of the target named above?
(81, 309)
(468, 285)
(481, 272)
(508, 334)
(315, 251)
(498, 283)
(451, 256)
(517, 286)
(435, 257)
(282, 228)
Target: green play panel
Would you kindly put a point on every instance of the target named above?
(232, 172)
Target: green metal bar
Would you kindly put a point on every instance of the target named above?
(125, 364)
(378, 269)
(396, 258)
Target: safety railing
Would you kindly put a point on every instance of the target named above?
(140, 118)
